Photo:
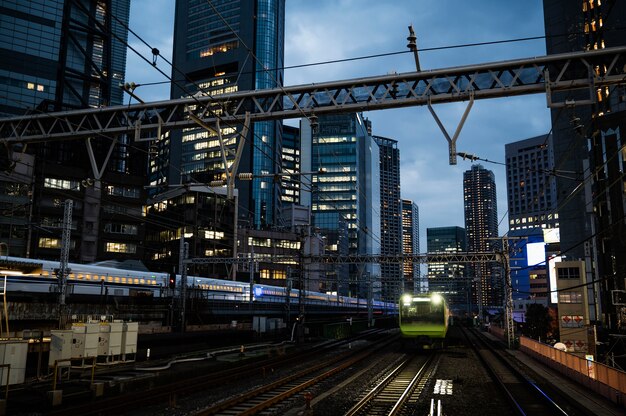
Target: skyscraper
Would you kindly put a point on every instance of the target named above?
(411, 245)
(59, 55)
(531, 192)
(221, 47)
(588, 142)
(291, 164)
(481, 225)
(447, 277)
(345, 195)
(390, 217)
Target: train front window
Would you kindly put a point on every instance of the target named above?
(422, 312)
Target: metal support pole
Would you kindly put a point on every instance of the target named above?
(182, 269)
(63, 268)
(510, 325)
(370, 303)
(251, 275)
(288, 296)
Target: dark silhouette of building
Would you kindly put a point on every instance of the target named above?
(63, 55)
(588, 142)
(481, 225)
(392, 284)
(411, 245)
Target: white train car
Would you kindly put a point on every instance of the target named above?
(90, 279)
(85, 279)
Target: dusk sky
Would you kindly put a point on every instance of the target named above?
(325, 30)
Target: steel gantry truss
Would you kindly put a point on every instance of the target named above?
(467, 257)
(581, 70)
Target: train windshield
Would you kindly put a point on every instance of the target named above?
(422, 312)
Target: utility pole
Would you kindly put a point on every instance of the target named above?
(370, 304)
(510, 325)
(183, 252)
(251, 275)
(63, 270)
(288, 296)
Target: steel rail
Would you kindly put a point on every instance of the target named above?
(548, 405)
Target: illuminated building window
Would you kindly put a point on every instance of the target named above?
(49, 243)
(121, 248)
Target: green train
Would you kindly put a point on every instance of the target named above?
(423, 319)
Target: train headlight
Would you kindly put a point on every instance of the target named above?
(436, 299)
(406, 299)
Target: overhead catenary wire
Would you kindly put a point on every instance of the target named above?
(458, 46)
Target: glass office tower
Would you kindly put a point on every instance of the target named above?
(62, 55)
(345, 196)
(449, 278)
(221, 47)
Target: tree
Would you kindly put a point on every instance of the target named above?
(537, 322)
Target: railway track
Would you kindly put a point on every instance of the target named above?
(400, 387)
(523, 394)
(175, 388)
(271, 396)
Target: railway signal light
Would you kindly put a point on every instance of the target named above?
(172, 281)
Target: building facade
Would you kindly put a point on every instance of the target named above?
(291, 166)
(531, 184)
(411, 245)
(222, 47)
(588, 141)
(449, 278)
(481, 226)
(63, 55)
(199, 216)
(345, 196)
(392, 284)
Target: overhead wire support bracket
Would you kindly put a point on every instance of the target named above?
(591, 86)
(452, 140)
(229, 171)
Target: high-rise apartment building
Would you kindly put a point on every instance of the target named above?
(588, 142)
(61, 55)
(390, 217)
(345, 195)
(411, 245)
(449, 278)
(220, 47)
(481, 226)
